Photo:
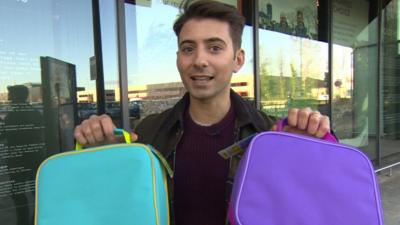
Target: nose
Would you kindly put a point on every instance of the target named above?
(201, 59)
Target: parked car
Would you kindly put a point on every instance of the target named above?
(85, 110)
(134, 109)
(113, 109)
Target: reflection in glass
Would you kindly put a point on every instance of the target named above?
(22, 150)
(61, 30)
(153, 81)
(354, 74)
(59, 103)
(293, 64)
(293, 73)
(296, 18)
(108, 21)
(390, 81)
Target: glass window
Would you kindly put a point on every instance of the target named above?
(354, 71)
(153, 80)
(45, 51)
(108, 21)
(390, 83)
(293, 60)
(243, 81)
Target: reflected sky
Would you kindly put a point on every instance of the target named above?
(279, 51)
(30, 29)
(63, 30)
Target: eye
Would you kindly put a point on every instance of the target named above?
(215, 49)
(187, 49)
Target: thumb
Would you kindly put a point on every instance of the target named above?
(134, 137)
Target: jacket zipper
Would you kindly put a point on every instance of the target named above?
(176, 145)
(172, 207)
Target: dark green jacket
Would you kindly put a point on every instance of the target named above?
(164, 131)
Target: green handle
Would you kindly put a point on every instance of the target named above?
(117, 131)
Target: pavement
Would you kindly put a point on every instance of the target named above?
(390, 193)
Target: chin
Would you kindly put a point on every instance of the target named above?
(209, 93)
(201, 97)
(201, 94)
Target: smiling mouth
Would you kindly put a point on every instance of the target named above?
(201, 78)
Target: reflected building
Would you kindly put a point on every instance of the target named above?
(90, 96)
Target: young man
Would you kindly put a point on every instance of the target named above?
(207, 119)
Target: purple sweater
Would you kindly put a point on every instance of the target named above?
(200, 173)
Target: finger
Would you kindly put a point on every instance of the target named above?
(295, 130)
(313, 123)
(303, 116)
(274, 128)
(134, 137)
(292, 117)
(79, 137)
(96, 128)
(324, 127)
(87, 132)
(108, 127)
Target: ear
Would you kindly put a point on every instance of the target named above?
(239, 60)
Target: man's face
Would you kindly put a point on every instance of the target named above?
(206, 59)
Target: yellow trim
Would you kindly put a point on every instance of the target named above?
(96, 149)
(154, 186)
(78, 146)
(167, 194)
(163, 162)
(127, 137)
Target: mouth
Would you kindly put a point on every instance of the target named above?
(201, 78)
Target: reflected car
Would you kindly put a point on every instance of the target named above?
(86, 109)
(113, 109)
(134, 109)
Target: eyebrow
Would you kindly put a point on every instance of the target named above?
(210, 40)
(186, 42)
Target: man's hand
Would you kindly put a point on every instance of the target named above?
(307, 122)
(98, 130)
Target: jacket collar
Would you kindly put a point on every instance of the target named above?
(245, 113)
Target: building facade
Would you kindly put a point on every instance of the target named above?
(67, 60)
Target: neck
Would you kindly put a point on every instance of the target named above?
(209, 112)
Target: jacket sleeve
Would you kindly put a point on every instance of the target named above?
(268, 119)
(147, 128)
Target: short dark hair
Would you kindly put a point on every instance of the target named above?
(203, 9)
